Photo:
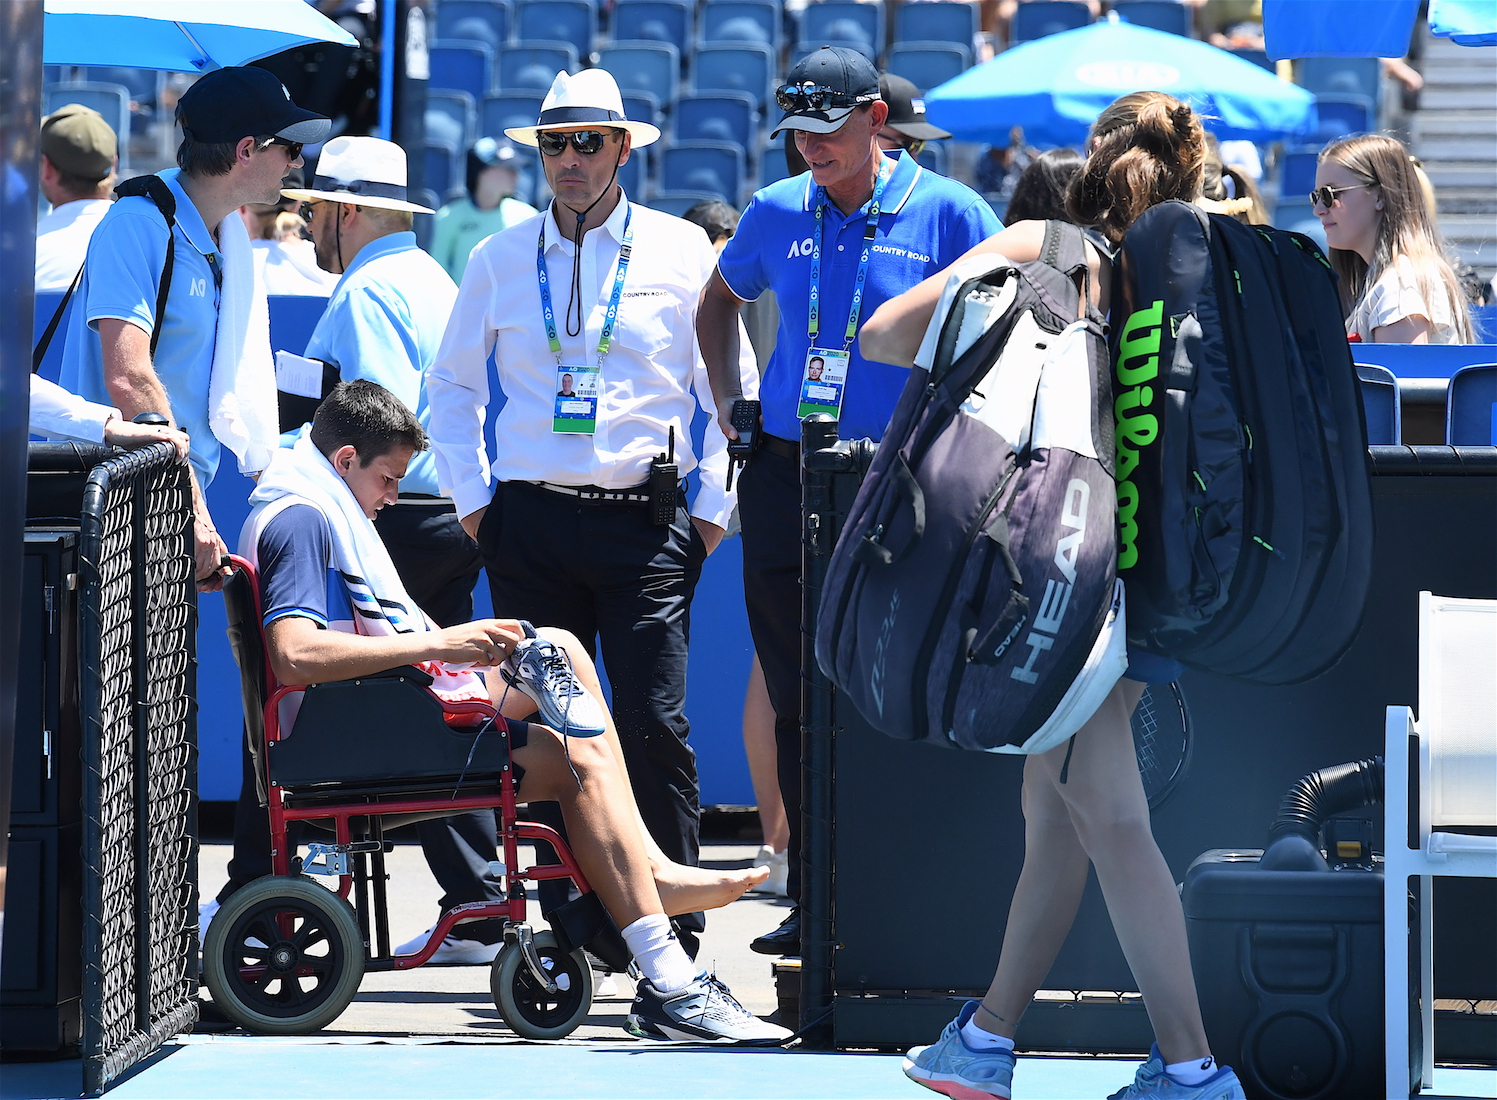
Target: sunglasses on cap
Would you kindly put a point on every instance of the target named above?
(1327, 196)
(293, 148)
(586, 142)
(815, 97)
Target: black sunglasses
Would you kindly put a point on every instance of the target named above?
(306, 208)
(815, 97)
(293, 148)
(1326, 196)
(586, 142)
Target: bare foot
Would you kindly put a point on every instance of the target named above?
(692, 889)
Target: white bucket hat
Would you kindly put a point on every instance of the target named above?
(361, 171)
(589, 98)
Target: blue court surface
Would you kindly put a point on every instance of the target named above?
(207, 1068)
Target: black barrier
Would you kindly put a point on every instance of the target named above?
(137, 625)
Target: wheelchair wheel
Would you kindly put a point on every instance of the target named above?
(284, 956)
(527, 1008)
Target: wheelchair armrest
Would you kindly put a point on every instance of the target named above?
(409, 672)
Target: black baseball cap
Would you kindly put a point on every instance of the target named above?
(245, 101)
(907, 109)
(851, 77)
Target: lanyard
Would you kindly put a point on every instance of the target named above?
(613, 302)
(813, 326)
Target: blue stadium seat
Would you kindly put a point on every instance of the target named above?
(486, 21)
(678, 202)
(641, 107)
(1170, 16)
(1471, 408)
(846, 21)
(714, 167)
(652, 67)
(574, 21)
(857, 45)
(756, 22)
(1340, 115)
(1340, 76)
(736, 68)
(533, 65)
(1297, 215)
(500, 112)
(1039, 18)
(952, 21)
(1259, 58)
(632, 175)
(442, 174)
(653, 21)
(928, 64)
(772, 165)
(451, 117)
(1297, 174)
(142, 84)
(461, 67)
(1380, 405)
(110, 100)
(720, 116)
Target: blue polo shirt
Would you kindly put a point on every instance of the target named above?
(384, 322)
(927, 222)
(120, 279)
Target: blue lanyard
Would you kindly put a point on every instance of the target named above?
(613, 302)
(813, 326)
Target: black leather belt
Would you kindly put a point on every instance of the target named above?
(782, 447)
(596, 494)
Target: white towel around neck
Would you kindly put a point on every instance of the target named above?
(242, 409)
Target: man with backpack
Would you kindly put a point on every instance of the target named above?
(833, 245)
(168, 319)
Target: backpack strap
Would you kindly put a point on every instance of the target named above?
(39, 352)
(155, 189)
(1065, 249)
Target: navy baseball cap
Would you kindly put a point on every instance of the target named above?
(824, 88)
(245, 101)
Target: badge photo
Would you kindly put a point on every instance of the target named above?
(576, 410)
(823, 382)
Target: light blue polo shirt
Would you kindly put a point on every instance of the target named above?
(928, 221)
(120, 279)
(384, 322)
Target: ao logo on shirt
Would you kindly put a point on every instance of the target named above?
(198, 288)
(799, 248)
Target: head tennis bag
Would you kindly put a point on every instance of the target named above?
(1244, 503)
(972, 599)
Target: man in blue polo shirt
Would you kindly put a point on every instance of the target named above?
(859, 220)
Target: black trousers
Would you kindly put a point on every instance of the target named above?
(605, 571)
(769, 506)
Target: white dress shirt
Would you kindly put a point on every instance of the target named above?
(56, 412)
(62, 241)
(652, 367)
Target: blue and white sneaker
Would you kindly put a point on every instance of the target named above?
(949, 1066)
(1152, 1083)
(704, 1011)
(543, 671)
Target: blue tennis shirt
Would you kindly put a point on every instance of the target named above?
(927, 222)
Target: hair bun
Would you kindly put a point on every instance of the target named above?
(1181, 117)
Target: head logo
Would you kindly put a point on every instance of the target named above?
(1137, 364)
(881, 653)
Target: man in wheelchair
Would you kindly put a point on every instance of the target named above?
(334, 609)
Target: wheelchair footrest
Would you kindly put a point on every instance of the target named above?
(583, 922)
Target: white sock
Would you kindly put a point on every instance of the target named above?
(658, 954)
(1192, 1072)
(976, 1038)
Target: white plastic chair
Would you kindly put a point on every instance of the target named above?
(1456, 738)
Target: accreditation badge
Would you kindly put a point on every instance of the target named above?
(823, 382)
(576, 411)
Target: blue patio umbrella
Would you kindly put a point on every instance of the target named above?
(1056, 86)
(1468, 22)
(179, 35)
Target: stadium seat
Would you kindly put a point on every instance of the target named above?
(1471, 410)
(641, 107)
(110, 100)
(141, 83)
(772, 165)
(1169, 16)
(1340, 115)
(1297, 174)
(1259, 58)
(707, 166)
(1340, 76)
(507, 109)
(721, 116)
(756, 22)
(737, 68)
(442, 174)
(678, 202)
(953, 21)
(1039, 18)
(1297, 215)
(451, 117)
(652, 67)
(461, 67)
(574, 21)
(927, 65)
(486, 21)
(857, 45)
(847, 21)
(653, 21)
(1380, 405)
(632, 175)
(533, 65)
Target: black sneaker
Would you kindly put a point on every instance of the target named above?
(784, 940)
(704, 1011)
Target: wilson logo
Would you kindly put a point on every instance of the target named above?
(1057, 597)
(1138, 364)
(880, 654)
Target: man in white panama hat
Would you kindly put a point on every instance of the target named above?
(585, 523)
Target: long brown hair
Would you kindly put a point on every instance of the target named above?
(1406, 228)
(1145, 148)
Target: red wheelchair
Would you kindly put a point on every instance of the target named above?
(285, 955)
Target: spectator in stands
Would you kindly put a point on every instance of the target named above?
(906, 127)
(1003, 16)
(79, 155)
(1083, 802)
(59, 414)
(488, 207)
(1229, 191)
(1040, 193)
(717, 219)
(1231, 24)
(1397, 287)
(1000, 166)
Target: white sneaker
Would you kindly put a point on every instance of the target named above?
(704, 1011)
(779, 872)
(453, 951)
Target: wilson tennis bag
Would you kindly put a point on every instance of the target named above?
(1243, 495)
(972, 600)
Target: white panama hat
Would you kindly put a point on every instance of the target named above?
(589, 98)
(361, 171)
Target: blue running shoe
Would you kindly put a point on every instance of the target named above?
(948, 1066)
(542, 670)
(1152, 1083)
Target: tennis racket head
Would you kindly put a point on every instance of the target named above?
(1161, 741)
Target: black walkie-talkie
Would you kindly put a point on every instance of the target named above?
(665, 484)
(745, 420)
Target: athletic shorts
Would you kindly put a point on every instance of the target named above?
(1147, 668)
